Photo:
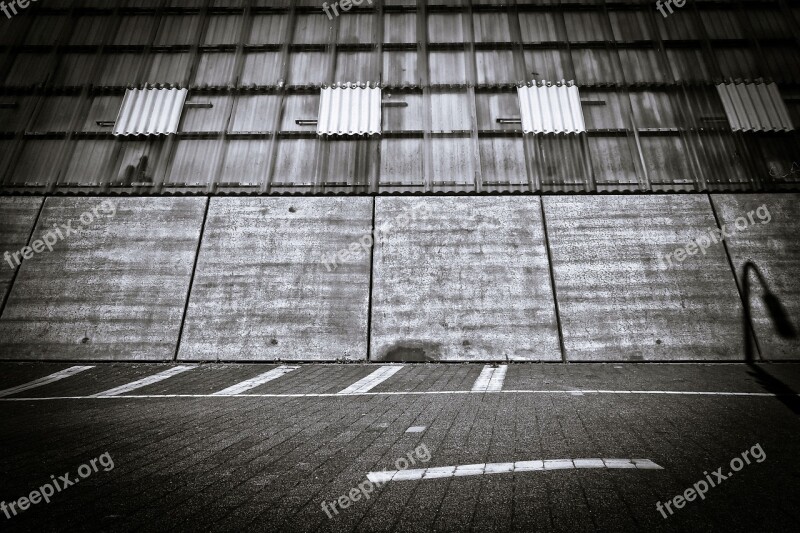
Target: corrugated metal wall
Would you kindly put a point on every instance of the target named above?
(448, 69)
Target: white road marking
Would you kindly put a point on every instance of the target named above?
(419, 393)
(67, 372)
(161, 376)
(415, 429)
(491, 379)
(373, 380)
(252, 383)
(505, 468)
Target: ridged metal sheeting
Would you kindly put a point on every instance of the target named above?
(350, 110)
(548, 108)
(754, 107)
(150, 112)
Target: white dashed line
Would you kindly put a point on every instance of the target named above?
(505, 468)
(67, 372)
(491, 379)
(415, 429)
(161, 376)
(376, 378)
(252, 383)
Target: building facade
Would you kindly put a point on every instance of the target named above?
(466, 96)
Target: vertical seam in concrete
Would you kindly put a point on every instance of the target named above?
(371, 274)
(750, 325)
(553, 282)
(191, 279)
(22, 259)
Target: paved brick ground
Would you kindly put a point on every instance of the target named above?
(265, 463)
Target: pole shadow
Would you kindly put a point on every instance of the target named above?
(783, 326)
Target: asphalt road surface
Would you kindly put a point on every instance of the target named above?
(458, 447)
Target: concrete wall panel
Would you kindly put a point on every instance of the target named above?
(114, 291)
(772, 243)
(462, 279)
(17, 217)
(261, 290)
(619, 301)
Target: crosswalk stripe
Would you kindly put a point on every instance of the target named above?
(491, 379)
(161, 376)
(67, 372)
(252, 383)
(504, 468)
(376, 378)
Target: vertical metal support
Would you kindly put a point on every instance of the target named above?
(471, 69)
(521, 72)
(627, 104)
(423, 68)
(291, 22)
(690, 139)
(169, 147)
(323, 146)
(233, 101)
(64, 155)
(374, 145)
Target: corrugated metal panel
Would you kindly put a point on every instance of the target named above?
(447, 67)
(400, 68)
(39, 163)
(246, 162)
(150, 112)
(496, 66)
(195, 161)
(551, 108)
(400, 28)
(754, 107)
(89, 159)
(450, 111)
(350, 110)
(357, 66)
(401, 163)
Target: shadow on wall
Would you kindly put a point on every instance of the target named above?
(412, 352)
(784, 328)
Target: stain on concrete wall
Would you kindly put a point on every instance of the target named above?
(17, 217)
(116, 290)
(619, 301)
(262, 290)
(462, 279)
(774, 247)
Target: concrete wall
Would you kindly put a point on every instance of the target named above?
(619, 301)
(262, 290)
(17, 217)
(772, 243)
(116, 291)
(460, 279)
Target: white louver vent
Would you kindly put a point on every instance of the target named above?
(350, 110)
(150, 112)
(548, 108)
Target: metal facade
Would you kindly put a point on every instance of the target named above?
(450, 113)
